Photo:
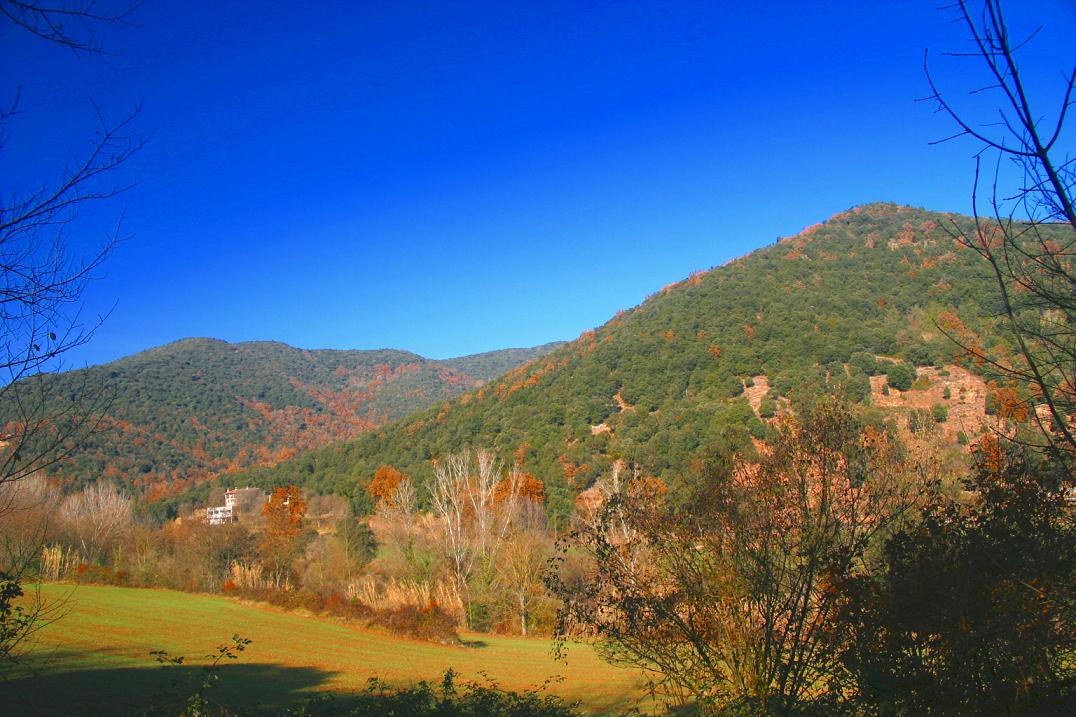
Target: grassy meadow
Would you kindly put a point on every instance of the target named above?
(96, 659)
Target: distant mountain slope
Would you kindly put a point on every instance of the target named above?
(662, 384)
(491, 364)
(197, 407)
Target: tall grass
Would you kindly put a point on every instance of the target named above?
(393, 595)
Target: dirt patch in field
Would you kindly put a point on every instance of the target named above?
(966, 398)
(754, 394)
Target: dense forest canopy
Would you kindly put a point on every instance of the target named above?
(198, 407)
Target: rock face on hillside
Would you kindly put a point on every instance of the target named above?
(811, 313)
(183, 412)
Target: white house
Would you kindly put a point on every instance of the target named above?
(219, 515)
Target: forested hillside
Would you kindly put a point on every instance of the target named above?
(179, 413)
(662, 385)
(491, 364)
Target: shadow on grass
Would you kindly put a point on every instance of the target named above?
(473, 643)
(156, 690)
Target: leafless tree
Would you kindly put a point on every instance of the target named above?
(1025, 228)
(42, 280)
(27, 513)
(96, 518)
(521, 567)
(72, 24)
(475, 504)
(41, 286)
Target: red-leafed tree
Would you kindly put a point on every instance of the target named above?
(385, 484)
(282, 532)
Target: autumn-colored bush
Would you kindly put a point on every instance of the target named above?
(100, 575)
(327, 602)
(424, 623)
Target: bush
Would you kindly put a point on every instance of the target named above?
(865, 362)
(900, 376)
(424, 700)
(920, 421)
(920, 356)
(940, 412)
(921, 384)
(100, 575)
(328, 602)
(427, 623)
(757, 428)
(971, 613)
(768, 408)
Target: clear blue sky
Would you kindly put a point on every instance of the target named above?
(450, 177)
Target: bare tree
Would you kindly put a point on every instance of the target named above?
(475, 505)
(27, 513)
(96, 518)
(1025, 228)
(521, 567)
(42, 280)
(71, 24)
(41, 286)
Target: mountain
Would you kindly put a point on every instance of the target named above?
(491, 364)
(191, 409)
(663, 384)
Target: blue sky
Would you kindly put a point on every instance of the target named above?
(456, 177)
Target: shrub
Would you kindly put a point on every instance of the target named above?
(865, 362)
(921, 384)
(757, 428)
(425, 623)
(768, 408)
(920, 421)
(940, 412)
(900, 376)
(448, 700)
(920, 355)
(100, 575)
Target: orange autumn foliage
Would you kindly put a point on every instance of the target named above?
(527, 488)
(285, 510)
(1009, 404)
(383, 487)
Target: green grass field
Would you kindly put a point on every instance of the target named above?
(96, 659)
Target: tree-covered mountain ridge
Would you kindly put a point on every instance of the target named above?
(661, 385)
(198, 407)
